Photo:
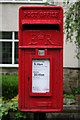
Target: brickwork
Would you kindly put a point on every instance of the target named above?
(71, 80)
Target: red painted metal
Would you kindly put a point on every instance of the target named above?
(40, 47)
(40, 28)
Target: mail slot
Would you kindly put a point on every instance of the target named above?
(40, 58)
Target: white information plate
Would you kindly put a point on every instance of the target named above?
(40, 75)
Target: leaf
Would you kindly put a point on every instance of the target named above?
(71, 22)
(24, 116)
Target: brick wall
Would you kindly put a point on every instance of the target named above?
(71, 79)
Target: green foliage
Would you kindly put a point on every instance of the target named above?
(72, 23)
(20, 115)
(3, 108)
(13, 106)
(72, 20)
(77, 91)
(0, 85)
(9, 86)
(69, 96)
(46, 3)
(50, 3)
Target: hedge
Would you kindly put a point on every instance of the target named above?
(9, 86)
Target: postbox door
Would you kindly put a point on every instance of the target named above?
(33, 98)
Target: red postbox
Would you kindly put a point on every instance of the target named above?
(40, 58)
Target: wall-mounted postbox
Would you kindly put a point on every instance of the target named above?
(41, 58)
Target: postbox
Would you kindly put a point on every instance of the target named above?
(40, 58)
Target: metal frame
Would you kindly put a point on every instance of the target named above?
(41, 57)
(23, 1)
(13, 51)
